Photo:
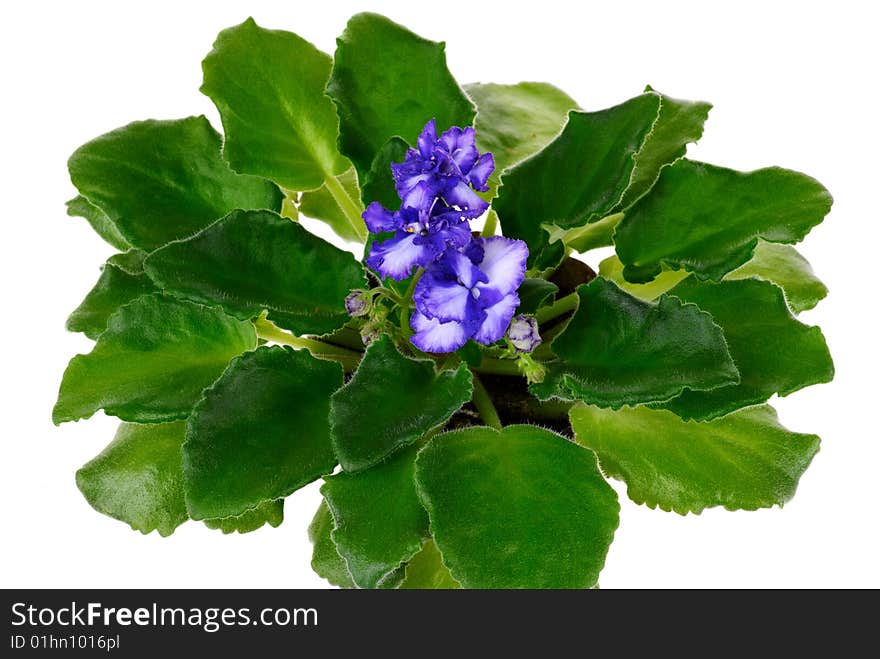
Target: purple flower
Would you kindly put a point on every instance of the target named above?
(523, 333)
(468, 293)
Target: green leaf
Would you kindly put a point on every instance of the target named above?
(743, 461)
(268, 512)
(152, 362)
(773, 352)
(79, 206)
(785, 267)
(326, 561)
(137, 478)
(377, 184)
(612, 269)
(380, 522)
(708, 219)
(618, 350)
(268, 86)
(580, 177)
(158, 181)
(255, 260)
(321, 205)
(534, 293)
(260, 432)
(388, 82)
(516, 121)
(130, 262)
(679, 123)
(520, 508)
(114, 288)
(390, 402)
(426, 571)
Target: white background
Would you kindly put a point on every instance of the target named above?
(793, 85)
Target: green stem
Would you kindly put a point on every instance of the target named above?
(491, 223)
(484, 405)
(270, 332)
(348, 206)
(405, 304)
(497, 366)
(562, 306)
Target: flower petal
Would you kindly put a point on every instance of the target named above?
(480, 172)
(504, 262)
(440, 298)
(459, 193)
(497, 319)
(379, 219)
(427, 139)
(458, 266)
(461, 147)
(433, 336)
(420, 196)
(397, 256)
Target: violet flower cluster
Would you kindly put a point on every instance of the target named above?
(468, 288)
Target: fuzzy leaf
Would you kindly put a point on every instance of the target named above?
(269, 88)
(79, 206)
(612, 269)
(321, 205)
(743, 461)
(268, 512)
(521, 508)
(326, 561)
(534, 293)
(152, 362)
(260, 432)
(426, 571)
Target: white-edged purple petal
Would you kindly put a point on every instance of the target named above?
(504, 262)
(420, 196)
(427, 139)
(497, 319)
(479, 173)
(379, 219)
(396, 257)
(460, 267)
(461, 146)
(459, 193)
(440, 298)
(433, 336)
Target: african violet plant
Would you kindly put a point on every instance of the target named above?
(464, 383)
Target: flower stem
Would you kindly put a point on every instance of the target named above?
(562, 306)
(270, 332)
(496, 366)
(491, 223)
(484, 405)
(347, 205)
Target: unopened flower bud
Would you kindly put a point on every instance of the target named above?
(523, 333)
(358, 303)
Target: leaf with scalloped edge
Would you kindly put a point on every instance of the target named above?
(774, 353)
(79, 206)
(268, 86)
(260, 432)
(743, 461)
(268, 512)
(152, 362)
(157, 181)
(389, 82)
(326, 561)
(426, 571)
(255, 260)
(619, 350)
(518, 508)
(785, 267)
(612, 269)
(708, 219)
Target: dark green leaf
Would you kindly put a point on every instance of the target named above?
(522, 508)
(388, 82)
(380, 522)
(158, 181)
(326, 561)
(377, 184)
(580, 177)
(773, 352)
(321, 205)
(612, 269)
(269, 88)
(255, 260)
(534, 293)
(137, 478)
(426, 571)
(708, 219)
(742, 461)
(260, 432)
(679, 123)
(131, 262)
(79, 206)
(516, 121)
(152, 362)
(268, 512)
(785, 267)
(114, 288)
(390, 402)
(619, 350)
